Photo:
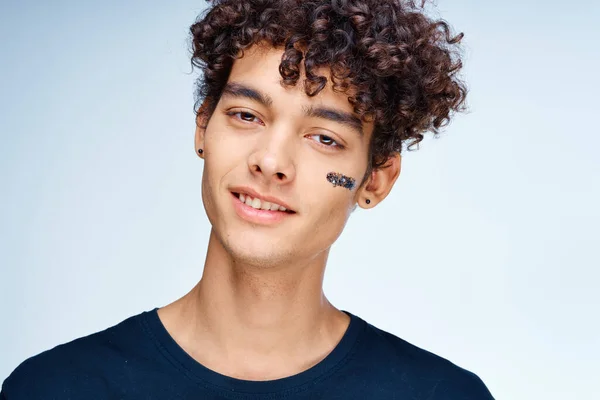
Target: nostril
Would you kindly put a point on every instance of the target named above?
(280, 175)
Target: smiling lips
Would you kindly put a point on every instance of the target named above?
(259, 211)
(259, 204)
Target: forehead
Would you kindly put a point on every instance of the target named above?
(259, 67)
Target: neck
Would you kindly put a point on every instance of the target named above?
(278, 316)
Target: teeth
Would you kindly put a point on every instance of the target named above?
(259, 204)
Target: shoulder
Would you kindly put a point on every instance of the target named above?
(72, 367)
(423, 373)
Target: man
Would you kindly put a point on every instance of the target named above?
(304, 109)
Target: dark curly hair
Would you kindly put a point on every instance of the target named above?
(397, 66)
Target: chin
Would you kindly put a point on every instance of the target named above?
(259, 257)
(257, 250)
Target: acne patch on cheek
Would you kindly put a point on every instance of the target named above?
(342, 180)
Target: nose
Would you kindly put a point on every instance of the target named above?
(272, 160)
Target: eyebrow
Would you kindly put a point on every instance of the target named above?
(238, 90)
(341, 117)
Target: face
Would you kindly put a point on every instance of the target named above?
(272, 147)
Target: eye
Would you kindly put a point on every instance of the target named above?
(244, 116)
(325, 140)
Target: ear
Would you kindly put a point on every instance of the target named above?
(379, 184)
(202, 119)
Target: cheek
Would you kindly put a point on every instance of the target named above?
(334, 211)
(223, 152)
(334, 203)
(341, 180)
(221, 156)
(218, 141)
(332, 182)
(208, 191)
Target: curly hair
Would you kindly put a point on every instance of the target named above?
(397, 66)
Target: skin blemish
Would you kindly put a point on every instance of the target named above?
(338, 179)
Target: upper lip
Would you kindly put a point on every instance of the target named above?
(254, 194)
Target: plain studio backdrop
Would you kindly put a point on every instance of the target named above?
(485, 253)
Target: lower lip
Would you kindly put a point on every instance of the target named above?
(262, 217)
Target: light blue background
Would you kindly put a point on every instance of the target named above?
(485, 253)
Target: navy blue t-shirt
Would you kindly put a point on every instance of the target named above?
(138, 359)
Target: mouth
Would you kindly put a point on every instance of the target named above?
(261, 204)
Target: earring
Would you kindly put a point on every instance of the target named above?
(200, 151)
(368, 201)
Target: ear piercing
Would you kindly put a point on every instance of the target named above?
(200, 151)
(368, 201)
(338, 179)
